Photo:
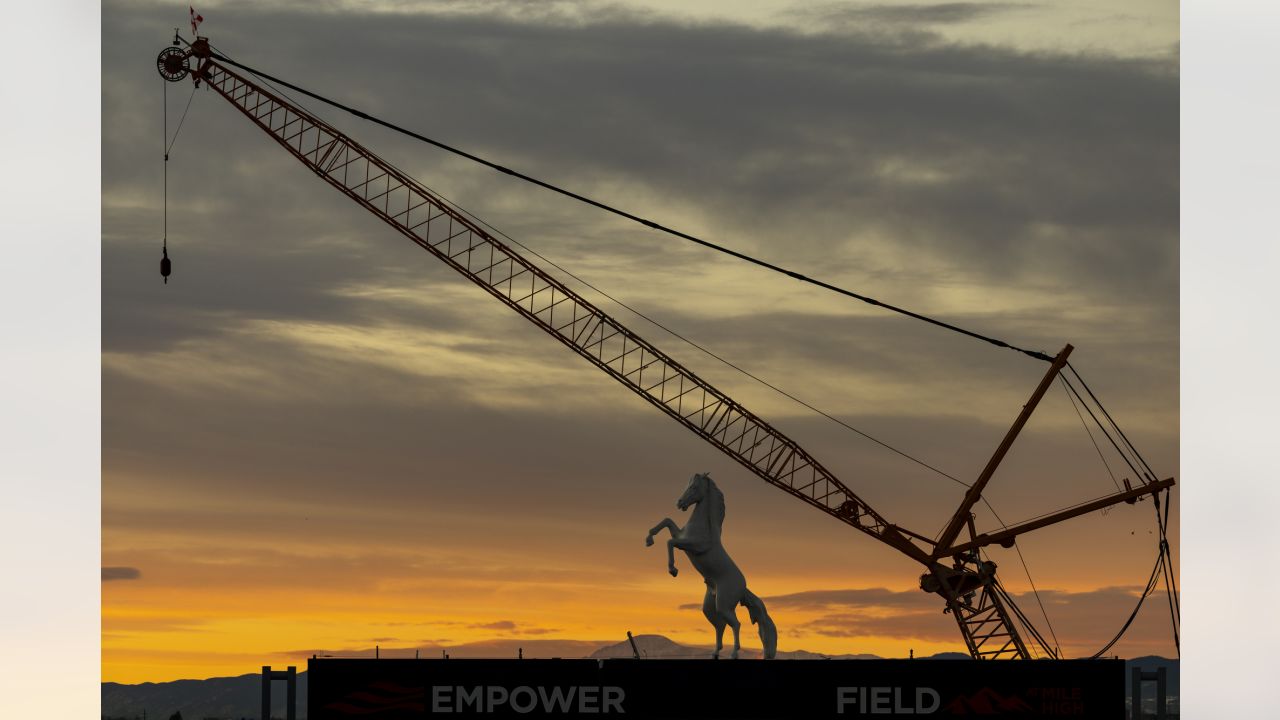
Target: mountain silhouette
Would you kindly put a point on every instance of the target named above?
(221, 697)
(660, 646)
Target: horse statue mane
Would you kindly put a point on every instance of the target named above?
(717, 504)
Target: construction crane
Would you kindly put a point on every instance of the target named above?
(954, 568)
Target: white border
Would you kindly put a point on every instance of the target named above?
(1230, 191)
(50, 380)
(50, 419)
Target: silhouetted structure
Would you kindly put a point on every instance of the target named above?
(1138, 677)
(290, 676)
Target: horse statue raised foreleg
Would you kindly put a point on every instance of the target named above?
(670, 525)
(726, 585)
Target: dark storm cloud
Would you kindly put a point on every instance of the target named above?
(848, 14)
(1008, 167)
(120, 573)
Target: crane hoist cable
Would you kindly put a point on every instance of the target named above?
(1164, 561)
(1089, 432)
(1171, 583)
(1036, 593)
(635, 218)
(1128, 461)
(1166, 554)
(1151, 584)
(166, 265)
(1106, 414)
(1054, 652)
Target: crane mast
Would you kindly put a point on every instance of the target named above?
(968, 586)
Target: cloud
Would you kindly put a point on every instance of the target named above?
(849, 15)
(496, 625)
(846, 598)
(853, 598)
(907, 625)
(120, 573)
(513, 627)
(983, 157)
(160, 623)
(1082, 620)
(1030, 196)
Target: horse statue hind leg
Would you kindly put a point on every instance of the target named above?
(728, 595)
(713, 616)
(720, 618)
(759, 618)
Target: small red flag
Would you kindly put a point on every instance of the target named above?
(196, 19)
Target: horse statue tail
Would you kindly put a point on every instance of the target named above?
(760, 618)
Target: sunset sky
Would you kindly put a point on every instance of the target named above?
(317, 438)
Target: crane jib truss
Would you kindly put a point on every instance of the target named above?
(969, 587)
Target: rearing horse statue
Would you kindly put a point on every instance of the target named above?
(726, 586)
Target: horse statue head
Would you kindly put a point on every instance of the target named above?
(702, 488)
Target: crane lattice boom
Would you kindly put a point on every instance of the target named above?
(404, 204)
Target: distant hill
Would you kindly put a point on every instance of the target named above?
(947, 656)
(660, 646)
(224, 697)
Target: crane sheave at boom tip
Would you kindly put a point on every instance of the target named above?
(460, 242)
(1038, 355)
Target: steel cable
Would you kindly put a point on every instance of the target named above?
(639, 314)
(622, 213)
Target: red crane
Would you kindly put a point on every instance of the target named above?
(954, 569)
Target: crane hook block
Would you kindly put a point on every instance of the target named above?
(166, 267)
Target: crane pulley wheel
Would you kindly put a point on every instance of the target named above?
(172, 64)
